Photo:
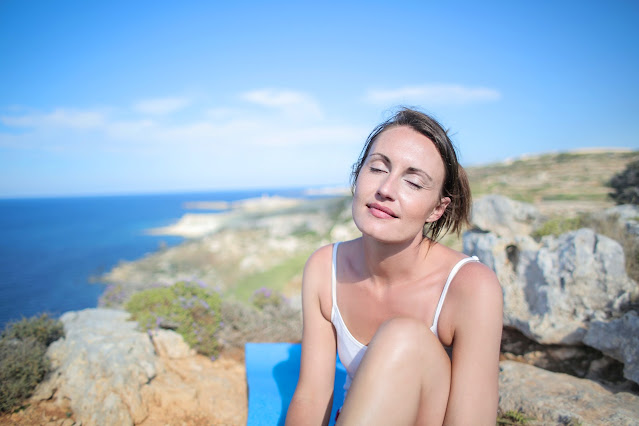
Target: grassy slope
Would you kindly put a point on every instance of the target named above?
(548, 178)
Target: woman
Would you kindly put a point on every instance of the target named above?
(392, 300)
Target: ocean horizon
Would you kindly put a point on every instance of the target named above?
(54, 249)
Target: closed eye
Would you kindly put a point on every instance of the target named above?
(414, 185)
(376, 170)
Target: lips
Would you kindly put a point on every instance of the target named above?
(380, 211)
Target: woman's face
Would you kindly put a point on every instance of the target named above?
(398, 188)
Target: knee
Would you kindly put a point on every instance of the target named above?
(407, 338)
(402, 329)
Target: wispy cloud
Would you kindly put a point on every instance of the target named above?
(291, 102)
(205, 128)
(161, 106)
(60, 117)
(435, 94)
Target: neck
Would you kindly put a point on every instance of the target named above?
(391, 263)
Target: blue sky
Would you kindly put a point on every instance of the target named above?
(136, 96)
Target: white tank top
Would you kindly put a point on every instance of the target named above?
(349, 349)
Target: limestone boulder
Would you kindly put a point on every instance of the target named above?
(626, 216)
(619, 339)
(105, 372)
(556, 398)
(169, 344)
(554, 288)
(504, 217)
(100, 367)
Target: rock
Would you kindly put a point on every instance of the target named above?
(107, 373)
(100, 366)
(556, 398)
(626, 215)
(619, 339)
(170, 344)
(504, 217)
(553, 289)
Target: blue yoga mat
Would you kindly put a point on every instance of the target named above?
(272, 370)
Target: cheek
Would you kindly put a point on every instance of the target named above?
(422, 208)
(357, 201)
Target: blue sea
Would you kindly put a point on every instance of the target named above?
(51, 249)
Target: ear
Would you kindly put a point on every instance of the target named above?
(439, 210)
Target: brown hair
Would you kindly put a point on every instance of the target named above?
(455, 187)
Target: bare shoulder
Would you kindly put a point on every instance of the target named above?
(316, 283)
(319, 259)
(474, 278)
(476, 295)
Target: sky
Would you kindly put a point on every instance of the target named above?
(126, 97)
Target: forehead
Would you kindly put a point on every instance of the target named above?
(409, 148)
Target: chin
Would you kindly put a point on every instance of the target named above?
(382, 232)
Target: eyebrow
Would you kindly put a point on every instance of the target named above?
(414, 170)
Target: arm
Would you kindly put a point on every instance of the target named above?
(477, 323)
(312, 400)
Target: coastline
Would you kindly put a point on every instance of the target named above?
(196, 225)
(258, 242)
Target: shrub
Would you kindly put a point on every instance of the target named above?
(626, 185)
(188, 308)
(512, 417)
(114, 296)
(22, 367)
(266, 297)
(43, 329)
(22, 357)
(242, 323)
(558, 226)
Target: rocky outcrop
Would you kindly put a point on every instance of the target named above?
(619, 339)
(627, 217)
(553, 289)
(556, 398)
(504, 217)
(109, 373)
(568, 292)
(101, 366)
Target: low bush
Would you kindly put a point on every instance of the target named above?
(43, 329)
(266, 297)
(188, 308)
(626, 185)
(242, 323)
(512, 417)
(22, 357)
(114, 296)
(558, 226)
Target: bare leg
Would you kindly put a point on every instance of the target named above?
(404, 378)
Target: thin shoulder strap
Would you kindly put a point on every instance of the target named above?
(334, 275)
(452, 274)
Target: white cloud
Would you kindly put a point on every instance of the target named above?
(61, 117)
(202, 131)
(298, 104)
(275, 98)
(315, 135)
(255, 142)
(435, 94)
(161, 106)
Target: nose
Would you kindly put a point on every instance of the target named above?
(386, 189)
